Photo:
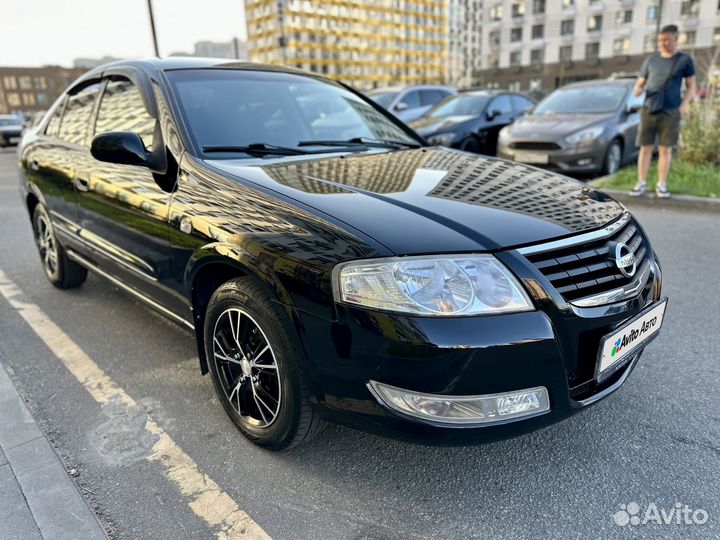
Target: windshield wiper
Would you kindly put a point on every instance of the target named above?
(261, 149)
(363, 141)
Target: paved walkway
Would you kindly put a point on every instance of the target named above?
(37, 497)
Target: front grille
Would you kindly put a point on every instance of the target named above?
(589, 269)
(534, 145)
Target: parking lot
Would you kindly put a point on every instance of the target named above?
(655, 442)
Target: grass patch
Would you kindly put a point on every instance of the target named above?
(684, 179)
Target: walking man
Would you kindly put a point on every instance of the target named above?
(661, 78)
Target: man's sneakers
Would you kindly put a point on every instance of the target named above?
(639, 189)
(661, 191)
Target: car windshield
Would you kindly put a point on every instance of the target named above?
(10, 122)
(460, 106)
(585, 99)
(234, 109)
(384, 99)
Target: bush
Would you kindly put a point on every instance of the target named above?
(700, 132)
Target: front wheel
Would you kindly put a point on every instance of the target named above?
(255, 369)
(62, 272)
(613, 158)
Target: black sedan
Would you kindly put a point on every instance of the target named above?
(331, 265)
(585, 127)
(471, 121)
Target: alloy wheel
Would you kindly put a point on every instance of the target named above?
(613, 159)
(247, 368)
(47, 246)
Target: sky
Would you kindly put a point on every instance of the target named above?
(55, 32)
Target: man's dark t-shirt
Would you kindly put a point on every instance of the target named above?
(656, 70)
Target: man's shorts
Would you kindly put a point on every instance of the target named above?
(663, 127)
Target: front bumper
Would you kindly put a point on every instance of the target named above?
(554, 347)
(572, 159)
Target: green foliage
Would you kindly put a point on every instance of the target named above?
(700, 133)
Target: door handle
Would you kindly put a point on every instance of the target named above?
(82, 184)
(34, 165)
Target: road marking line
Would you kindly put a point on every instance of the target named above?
(207, 500)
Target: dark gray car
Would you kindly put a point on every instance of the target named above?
(587, 127)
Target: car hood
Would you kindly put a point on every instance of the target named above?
(433, 200)
(430, 124)
(553, 126)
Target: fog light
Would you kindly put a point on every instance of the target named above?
(586, 161)
(483, 409)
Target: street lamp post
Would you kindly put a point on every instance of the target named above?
(152, 28)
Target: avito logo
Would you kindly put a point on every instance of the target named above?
(627, 339)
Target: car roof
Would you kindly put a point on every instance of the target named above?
(401, 88)
(10, 117)
(599, 82)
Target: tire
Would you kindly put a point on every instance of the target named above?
(613, 158)
(245, 334)
(471, 144)
(59, 269)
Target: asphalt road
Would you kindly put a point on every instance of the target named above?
(656, 441)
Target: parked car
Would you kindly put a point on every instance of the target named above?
(586, 127)
(355, 275)
(472, 120)
(410, 102)
(11, 128)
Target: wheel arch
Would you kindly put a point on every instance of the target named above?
(214, 265)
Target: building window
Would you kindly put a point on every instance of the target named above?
(624, 17)
(687, 38)
(41, 99)
(567, 28)
(9, 82)
(40, 83)
(28, 99)
(13, 99)
(538, 31)
(567, 4)
(538, 6)
(535, 84)
(516, 34)
(621, 45)
(515, 58)
(494, 38)
(592, 51)
(496, 13)
(25, 82)
(649, 43)
(690, 9)
(651, 13)
(536, 57)
(518, 9)
(565, 53)
(494, 60)
(594, 23)
(514, 86)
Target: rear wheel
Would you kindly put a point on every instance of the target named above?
(59, 269)
(255, 368)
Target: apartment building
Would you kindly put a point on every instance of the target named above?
(464, 39)
(542, 44)
(33, 89)
(367, 44)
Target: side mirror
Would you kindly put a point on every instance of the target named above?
(121, 147)
(492, 114)
(401, 106)
(634, 108)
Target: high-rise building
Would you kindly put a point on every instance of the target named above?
(542, 44)
(366, 43)
(464, 39)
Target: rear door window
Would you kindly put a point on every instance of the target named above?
(53, 126)
(122, 109)
(522, 104)
(431, 97)
(411, 99)
(502, 104)
(78, 110)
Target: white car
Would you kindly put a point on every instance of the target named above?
(409, 103)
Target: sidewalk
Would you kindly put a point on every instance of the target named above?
(37, 497)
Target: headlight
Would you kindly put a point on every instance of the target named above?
(442, 285)
(585, 135)
(444, 139)
(504, 135)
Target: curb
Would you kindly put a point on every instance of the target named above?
(48, 501)
(683, 202)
